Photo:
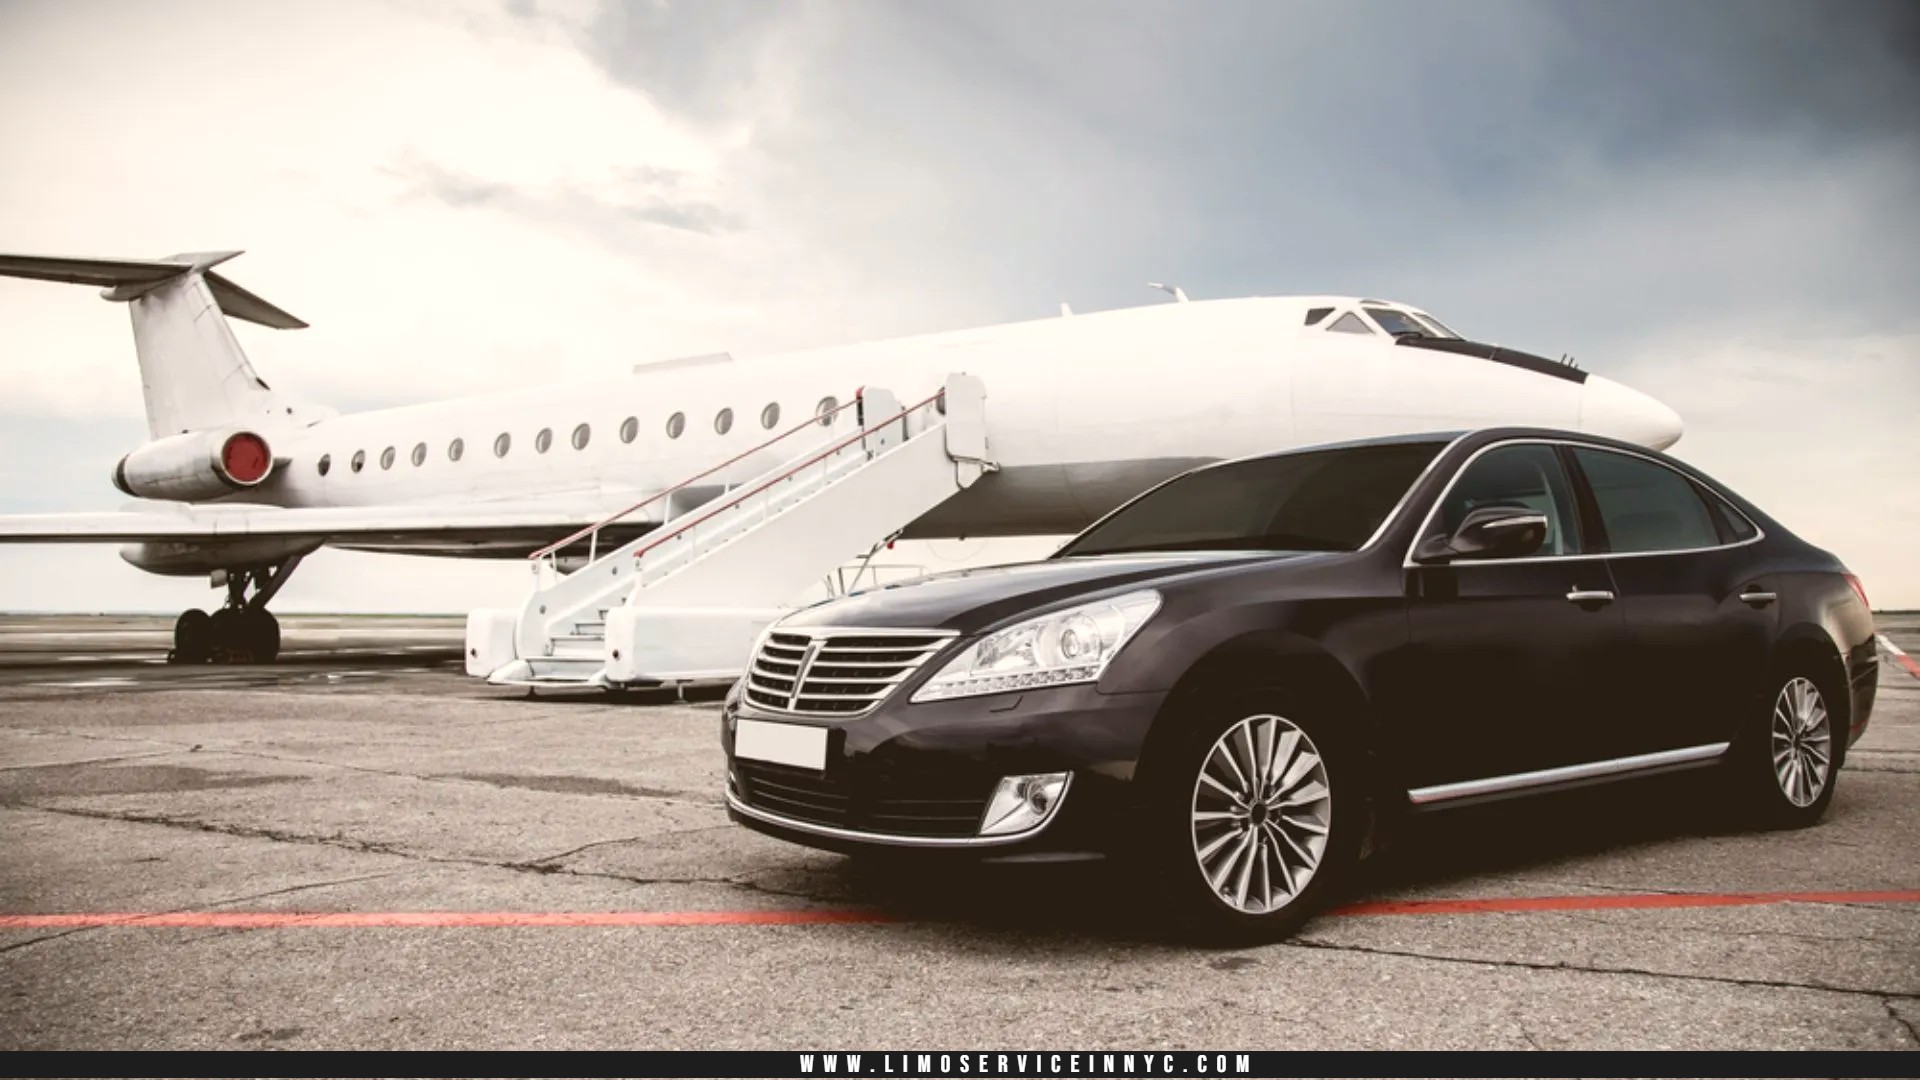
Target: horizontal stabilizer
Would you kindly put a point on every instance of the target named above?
(235, 301)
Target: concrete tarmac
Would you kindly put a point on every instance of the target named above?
(361, 846)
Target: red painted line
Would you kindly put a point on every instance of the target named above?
(266, 920)
(271, 920)
(1899, 656)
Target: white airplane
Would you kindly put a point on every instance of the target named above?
(240, 481)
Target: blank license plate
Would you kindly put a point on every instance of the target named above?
(783, 744)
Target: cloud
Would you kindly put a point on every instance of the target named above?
(1711, 201)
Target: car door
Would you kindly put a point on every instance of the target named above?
(1699, 619)
(1515, 661)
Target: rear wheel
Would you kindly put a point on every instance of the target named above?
(1257, 819)
(1787, 763)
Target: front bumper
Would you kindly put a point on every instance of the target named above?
(885, 768)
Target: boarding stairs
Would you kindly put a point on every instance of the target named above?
(685, 601)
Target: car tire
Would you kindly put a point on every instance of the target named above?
(1776, 770)
(1228, 873)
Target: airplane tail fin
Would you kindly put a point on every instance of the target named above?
(192, 369)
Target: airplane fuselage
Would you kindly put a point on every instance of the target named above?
(1082, 413)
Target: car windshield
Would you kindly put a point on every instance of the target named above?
(1317, 500)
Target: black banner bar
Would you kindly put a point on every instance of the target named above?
(967, 1064)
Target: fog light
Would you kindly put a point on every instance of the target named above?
(1022, 803)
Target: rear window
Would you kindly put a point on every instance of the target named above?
(1318, 500)
(1646, 506)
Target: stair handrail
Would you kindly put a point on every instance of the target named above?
(594, 529)
(732, 501)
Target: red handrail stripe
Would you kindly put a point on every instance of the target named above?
(658, 495)
(657, 538)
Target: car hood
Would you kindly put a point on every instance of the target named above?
(970, 600)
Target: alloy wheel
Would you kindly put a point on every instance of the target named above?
(1260, 814)
(1802, 742)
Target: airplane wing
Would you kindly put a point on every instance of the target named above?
(469, 528)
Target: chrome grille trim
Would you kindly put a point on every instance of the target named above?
(838, 671)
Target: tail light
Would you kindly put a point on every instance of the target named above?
(1858, 590)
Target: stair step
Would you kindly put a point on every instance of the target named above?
(590, 629)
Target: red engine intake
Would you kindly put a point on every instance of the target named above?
(195, 466)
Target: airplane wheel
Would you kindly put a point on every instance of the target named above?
(193, 638)
(228, 626)
(261, 632)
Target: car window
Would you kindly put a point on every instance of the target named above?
(1734, 526)
(1524, 474)
(1644, 505)
(1318, 500)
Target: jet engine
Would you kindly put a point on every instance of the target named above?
(194, 466)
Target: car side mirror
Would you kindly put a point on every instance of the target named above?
(1489, 532)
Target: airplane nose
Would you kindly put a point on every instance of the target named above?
(1620, 412)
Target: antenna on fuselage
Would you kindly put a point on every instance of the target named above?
(1065, 308)
(1179, 294)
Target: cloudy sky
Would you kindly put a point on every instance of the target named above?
(1715, 202)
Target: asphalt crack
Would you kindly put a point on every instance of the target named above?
(18, 945)
(1913, 1034)
(543, 866)
(1591, 969)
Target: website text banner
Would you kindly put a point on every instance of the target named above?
(967, 1063)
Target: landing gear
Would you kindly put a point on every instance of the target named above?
(243, 631)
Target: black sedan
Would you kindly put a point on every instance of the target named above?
(1237, 675)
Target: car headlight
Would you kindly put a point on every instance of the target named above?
(1070, 646)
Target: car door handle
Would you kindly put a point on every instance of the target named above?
(1758, 597)
(1590, 596)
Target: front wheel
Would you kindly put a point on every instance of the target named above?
(1258, 818)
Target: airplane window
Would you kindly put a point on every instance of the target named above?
(825, 410)
(455, 449)
(770, 415)
(419, 454)
(580, 436)
(502, 444)
(359, 460)
(543, 440)
(1397, 322)
(676, 424)
(1349, 324)
(1314, 315)
(386, 458)
(1440, 329)
(629, 428)
(723, 422)
(325, 463)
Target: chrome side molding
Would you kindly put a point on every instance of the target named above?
(1567, 775)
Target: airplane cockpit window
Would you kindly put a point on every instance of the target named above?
(1397, 322)
(1440, 329)
(1349, 324)
(1314, 315)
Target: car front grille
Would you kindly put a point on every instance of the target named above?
(924, 806)
(834, 672)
